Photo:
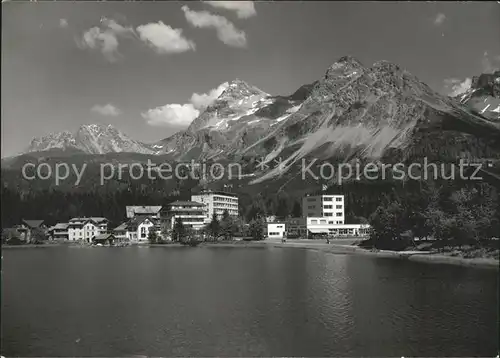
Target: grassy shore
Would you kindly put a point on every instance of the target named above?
(465, 256)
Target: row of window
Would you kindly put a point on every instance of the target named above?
(331, 207)
(226, 199)
(331, 199)
(313, 222)
(338, 198)
(186, 207)
(275, 233)
(331, 214)
(225, 205)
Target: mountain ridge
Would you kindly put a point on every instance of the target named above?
(380, 112)
(90, 139)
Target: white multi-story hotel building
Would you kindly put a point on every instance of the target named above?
(327, 206)
(86, 228)
(217, 202)
(191, 213)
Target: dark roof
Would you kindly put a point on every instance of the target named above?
(121, 227)
(96, 220)
(137, 220)
(186, 203)
(103, 237)
(142, 210)
(33, 223)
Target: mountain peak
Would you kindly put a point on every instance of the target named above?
(91, 139)
(238, 89)
(345, 66)
(97, 127)
(386, 66)
(349, 59)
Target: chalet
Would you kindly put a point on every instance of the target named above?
(120, 232)
(59, 231)
(28, 228)
(138, 228)
(104, 239)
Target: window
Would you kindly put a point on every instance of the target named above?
(314, 221)
(327, 214)
(143, 232)
(339, 214)
(322, 221)
(328, 206)
(311, 206)
(327, 199)
(330, 222)
(339, 206)
(338, 199)
(311, 199)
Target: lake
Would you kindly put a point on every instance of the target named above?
(262, 301)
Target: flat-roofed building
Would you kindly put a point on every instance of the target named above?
(191, 213)
(324, 226)
(328, 206)
(216, 202)
(275, 230)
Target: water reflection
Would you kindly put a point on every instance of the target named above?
(241, 302)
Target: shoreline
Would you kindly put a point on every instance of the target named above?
(338, 247)
(416, 256)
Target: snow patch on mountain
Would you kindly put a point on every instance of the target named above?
(90, 139)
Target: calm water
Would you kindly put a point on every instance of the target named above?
(241, 302)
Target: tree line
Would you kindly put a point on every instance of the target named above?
(226, 229)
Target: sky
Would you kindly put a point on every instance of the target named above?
(149, 68)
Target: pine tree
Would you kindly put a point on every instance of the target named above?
(228, 226)
(213, 229)
(179, 231)
(256, 229)
(297, 210)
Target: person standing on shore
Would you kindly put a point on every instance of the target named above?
(284, 237)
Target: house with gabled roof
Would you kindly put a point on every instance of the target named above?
(59, 231)
(86, 228)
(138, 228)
(120, 232)
(27, 228)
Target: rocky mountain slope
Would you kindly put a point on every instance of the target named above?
(483, 97)
(381, 112)
(376, 113)
(239, 116)
(90, 139)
